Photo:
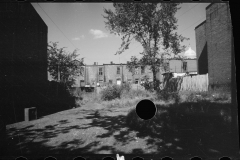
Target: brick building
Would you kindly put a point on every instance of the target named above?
(213, 44)
(23, 56)
(110, 74)
(117, 73)
(23, 48)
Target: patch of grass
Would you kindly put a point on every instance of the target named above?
(133, 93)
(208, 118)
(218, 95)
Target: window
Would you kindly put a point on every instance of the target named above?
(142, 70)
(136, 71)
(82, 84)
(100, 82)
(118, 70)
(118, 81)
(184, 66)
(100, 71)
(110, 81)
(136, 81)
(82, 70)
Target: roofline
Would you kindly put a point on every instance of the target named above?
(200, 24)
(115, 64)
(92, 65)
(209, 5)
(126, 64)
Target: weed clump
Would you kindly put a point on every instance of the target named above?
(111, 92)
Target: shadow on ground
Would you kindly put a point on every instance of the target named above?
(176, 133)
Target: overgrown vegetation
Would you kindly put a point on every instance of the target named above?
(206, 118)
(153, 25)
(63, 66)
(111, 92)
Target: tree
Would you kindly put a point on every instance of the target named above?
(63, 66)
(152, 25)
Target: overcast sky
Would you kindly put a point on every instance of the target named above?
(81, 25)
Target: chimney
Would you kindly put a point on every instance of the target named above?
(127, 62)
(94, 63)
(111, 62)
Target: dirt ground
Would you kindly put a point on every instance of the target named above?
(95, 129)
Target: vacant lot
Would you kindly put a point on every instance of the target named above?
(102, 128)
(95, 128)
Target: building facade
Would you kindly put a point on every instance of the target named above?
(214, 44)
(118, 73)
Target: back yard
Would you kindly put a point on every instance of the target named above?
(199, 125)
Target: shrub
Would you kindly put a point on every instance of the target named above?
(76, 92)
(111, 92)
(125, 87)
(166, 95)
(148, 85)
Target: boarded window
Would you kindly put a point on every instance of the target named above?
(100, 71)
(118, 70)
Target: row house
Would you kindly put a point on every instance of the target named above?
(118, 73)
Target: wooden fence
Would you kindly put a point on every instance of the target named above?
(188, 83)
(195, 83)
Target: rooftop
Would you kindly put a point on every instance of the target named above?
(200, 24)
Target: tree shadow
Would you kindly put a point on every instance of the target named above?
(178, 132)
(200, 129)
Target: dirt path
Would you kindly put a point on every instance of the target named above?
(92, 128)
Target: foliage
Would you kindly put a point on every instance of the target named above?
(150, 24)
(64, 63)
(111, 92)
(126, 86)
(147, 84)
(166, 95)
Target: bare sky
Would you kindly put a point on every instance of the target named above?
(81, 25)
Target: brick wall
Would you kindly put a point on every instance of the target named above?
(213, 44)
(218, 31)
(201, 48)
(23, 59)
(23, 49)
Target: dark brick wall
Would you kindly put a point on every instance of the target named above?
(23, 45)
(201, 48)
(218, 31)
(214, 39)
(23, 58)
